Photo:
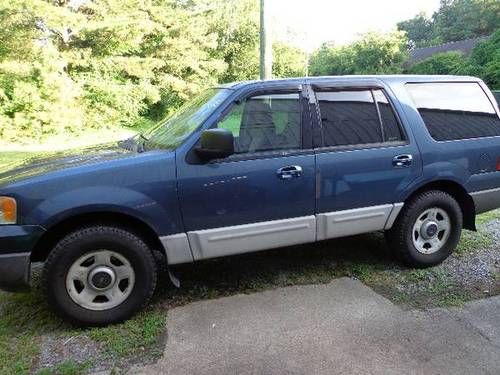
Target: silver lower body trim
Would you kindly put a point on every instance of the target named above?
(239, 239)
(245, 238)
(177, 248)
(393, 216)
(486, 200)
(356, 221)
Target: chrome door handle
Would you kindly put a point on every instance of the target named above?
(289, 172)
(402, 161)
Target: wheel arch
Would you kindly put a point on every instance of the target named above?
(458, 192)
(58, 230)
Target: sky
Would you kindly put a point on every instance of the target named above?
(308, 23)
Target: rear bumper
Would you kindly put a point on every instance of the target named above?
(15, 272)
(486, 200)
(16, 244)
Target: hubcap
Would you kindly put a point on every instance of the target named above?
(431, 230)
(100, 280)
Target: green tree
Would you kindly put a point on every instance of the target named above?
(419, 30)
(454, 20)
(484, 61)
(288, 61)
(380, 53)
(103, 63)
(441, 63)
(462, 19)
(37, 97)
(236, 24)
(372, 54)
(152, 56)
(331, 60)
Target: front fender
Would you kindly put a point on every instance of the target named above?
(162, 216)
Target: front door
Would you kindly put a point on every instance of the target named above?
(261, 197)
(365, 161)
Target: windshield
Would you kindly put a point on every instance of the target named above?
(170, 132)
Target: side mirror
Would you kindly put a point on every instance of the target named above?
(216, 144)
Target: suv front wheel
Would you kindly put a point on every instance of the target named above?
(427, 230)
(99, 275)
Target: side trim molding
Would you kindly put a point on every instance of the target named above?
(239, 239)
(393, 216)
(486, 200)
(211, 243)
(177, 248)
(356, 221)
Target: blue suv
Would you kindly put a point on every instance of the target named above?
(252, 166)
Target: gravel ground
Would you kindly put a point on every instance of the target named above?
(55, 350)
(475, 274)
(480, 265)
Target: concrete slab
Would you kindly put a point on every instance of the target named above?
(340, 328)
(484, 316)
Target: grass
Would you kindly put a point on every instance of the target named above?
(15, 152)
(25, 318)
(66, 368)
(57, 142)
(9, 159)
(133, 336)
(11, 156)
(474, 241)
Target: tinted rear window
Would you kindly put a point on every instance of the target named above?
(349, 118)
(455, 110)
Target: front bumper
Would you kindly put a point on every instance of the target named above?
(16, 244)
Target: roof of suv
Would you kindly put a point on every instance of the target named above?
(347, 78)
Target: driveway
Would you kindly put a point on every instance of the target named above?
(339, 328)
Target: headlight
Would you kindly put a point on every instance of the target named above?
(8, 210)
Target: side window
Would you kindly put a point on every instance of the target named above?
(349, 118)
(455, 110)
(390, 125)
(265, 123)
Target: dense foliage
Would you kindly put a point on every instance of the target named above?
(67, 66)
(455, 20)
(483, 62)
(372, 54)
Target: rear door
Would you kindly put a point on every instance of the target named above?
(365, 158)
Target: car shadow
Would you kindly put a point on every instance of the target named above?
(295, 265)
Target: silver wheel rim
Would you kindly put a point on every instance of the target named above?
(431, 230)
(100, 280)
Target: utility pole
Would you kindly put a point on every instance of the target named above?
(266, 43)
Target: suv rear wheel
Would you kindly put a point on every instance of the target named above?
(99, 275)
(427, 230)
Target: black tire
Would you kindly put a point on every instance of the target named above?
(85, 241)
(400, 237)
